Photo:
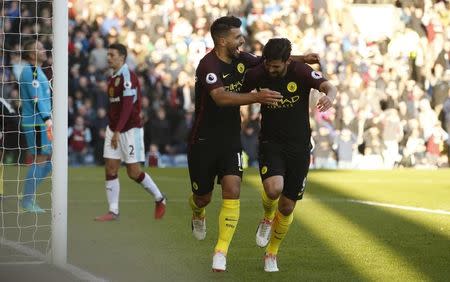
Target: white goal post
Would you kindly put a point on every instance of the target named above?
(60, 94)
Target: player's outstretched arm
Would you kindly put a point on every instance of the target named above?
(310, 58)
(226, 98)
(326, 102)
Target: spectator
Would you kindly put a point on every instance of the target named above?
(167, 40)
(79, 138)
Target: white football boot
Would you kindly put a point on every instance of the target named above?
(219, 262)
(270, 263)
(199, 228)
(263, 233)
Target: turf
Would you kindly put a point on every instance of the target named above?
(331, 238)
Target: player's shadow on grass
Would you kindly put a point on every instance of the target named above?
(423, 248)
(302, 255)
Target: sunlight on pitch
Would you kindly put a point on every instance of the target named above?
(369, 257)
(407, 191)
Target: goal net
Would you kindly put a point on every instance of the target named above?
(27, 218)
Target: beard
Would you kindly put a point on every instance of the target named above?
(233, 52)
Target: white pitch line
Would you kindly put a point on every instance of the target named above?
(400, 207)
(22, 262)
(335, 200)
(75, 271)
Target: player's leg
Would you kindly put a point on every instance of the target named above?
(132, 148)
(280, 226)
(294, 186)
(40, 147)
(230, 179)
(135, 172)
(38, 170)
(112, 159)
(272, 175)
(202, 167)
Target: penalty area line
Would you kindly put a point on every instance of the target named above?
(400, 207)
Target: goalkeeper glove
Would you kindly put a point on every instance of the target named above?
(49, 125)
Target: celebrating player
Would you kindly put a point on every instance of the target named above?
(124, 139)
(284, 151)
(214, 144)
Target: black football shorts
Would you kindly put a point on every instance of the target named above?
(206, 161)
(274, 159)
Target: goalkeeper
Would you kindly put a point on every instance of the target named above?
(36, 122)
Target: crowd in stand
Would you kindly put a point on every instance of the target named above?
(393, 106)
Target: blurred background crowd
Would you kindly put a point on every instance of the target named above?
(389, 59)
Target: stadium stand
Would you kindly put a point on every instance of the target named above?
(393, 107)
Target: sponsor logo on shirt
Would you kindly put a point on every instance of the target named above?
(285, 103)
(114, 99)
(292, 87)
(236, 87)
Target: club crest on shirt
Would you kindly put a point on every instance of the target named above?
(111, 92)
(292, 87)
(35, 83)
(211, 78)
(116, 82)
(240, 67)
(264, 170)
(316, 75)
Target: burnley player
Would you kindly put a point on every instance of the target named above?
(284, 151)
(214, 142)
(124, 139)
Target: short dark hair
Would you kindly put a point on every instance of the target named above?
(28, 47)
(277, 49)
(120, 48)
(221, 26)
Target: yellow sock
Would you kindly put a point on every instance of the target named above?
(228, 220)
(198, 212)
(269, 205)
(280, 227)
(1, 178)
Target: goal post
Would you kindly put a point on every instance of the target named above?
(60, 94)
(35, 232)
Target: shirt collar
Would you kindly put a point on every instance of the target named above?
(124, 66)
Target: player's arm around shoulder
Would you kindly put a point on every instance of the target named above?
(223, 97)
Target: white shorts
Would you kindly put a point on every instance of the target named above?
(130, 148)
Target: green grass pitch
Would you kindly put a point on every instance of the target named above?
(342, 230)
